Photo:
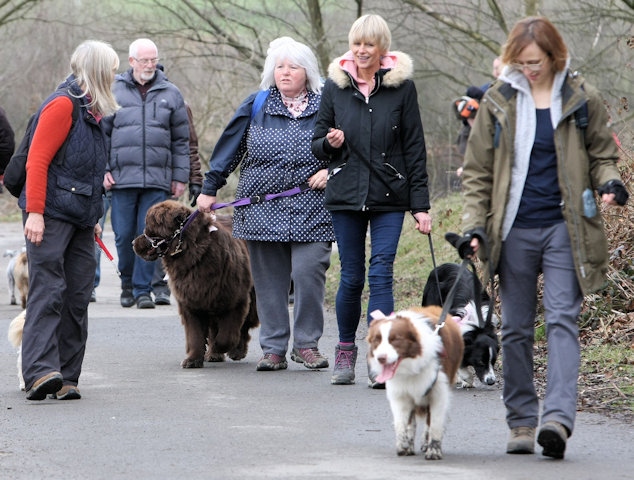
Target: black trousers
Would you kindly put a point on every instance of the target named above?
(61, 276)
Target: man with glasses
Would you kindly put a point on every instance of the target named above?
(148, 162)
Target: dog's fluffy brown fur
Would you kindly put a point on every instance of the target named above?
(210, 277)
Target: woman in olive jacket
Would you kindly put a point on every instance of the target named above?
(539, 149)
(369, 130)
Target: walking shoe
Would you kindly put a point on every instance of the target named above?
(49, 383)
(522, 440)
(67, 392)
(127, 299)
(345, 360)
(270, 362)
(162, 298)
(310, 357)
(552, 437)
(144, 301)
(93, 296)
(372, 382)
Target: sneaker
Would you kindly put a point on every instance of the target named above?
(372, 382)
(50, 383)
(162, 298)
(270, 362)
(310, 357)
(67, 392)
(345, 360)
(93, 296)
(144, 301)
(552, 437)
(127, 299)
(522, 440)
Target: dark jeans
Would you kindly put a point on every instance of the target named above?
(128, 209)
(351, 234)
(102, 222)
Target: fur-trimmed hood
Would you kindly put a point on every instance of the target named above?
(398, 68)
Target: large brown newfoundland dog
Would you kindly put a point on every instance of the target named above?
(210, 277)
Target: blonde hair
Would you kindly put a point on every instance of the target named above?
(371, 28)
(94, 64)
(285, 48)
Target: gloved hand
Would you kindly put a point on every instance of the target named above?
(463, 244)
(617, 188)
(194, 191)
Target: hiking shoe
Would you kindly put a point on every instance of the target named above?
(372, 382)
(127, 299)
(310, 357)
(162, 298)
(50, 383)
(270, 362)
(345, 360)
(144, 301)
(67, 392)
(552, 437)
(522, 440)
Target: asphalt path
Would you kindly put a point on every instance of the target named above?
(142, 416)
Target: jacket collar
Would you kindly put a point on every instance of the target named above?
(401, 69)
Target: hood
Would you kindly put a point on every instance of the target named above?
(399, 68)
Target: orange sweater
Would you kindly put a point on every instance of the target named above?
(52, 129)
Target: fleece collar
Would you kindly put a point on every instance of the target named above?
(397, 66)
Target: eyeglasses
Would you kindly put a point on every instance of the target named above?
(147, 61)
(532, 67)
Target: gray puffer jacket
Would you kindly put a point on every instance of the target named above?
(148, 140)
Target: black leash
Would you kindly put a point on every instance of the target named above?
(454, 239)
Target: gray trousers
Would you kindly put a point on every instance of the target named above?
(272, 264)
(61, 276)
(526, 253)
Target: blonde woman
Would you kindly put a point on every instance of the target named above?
(61, 205)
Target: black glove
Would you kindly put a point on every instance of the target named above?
(463, 244)
(194, 191)
(617, 188)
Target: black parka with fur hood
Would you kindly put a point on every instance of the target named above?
(382, 164)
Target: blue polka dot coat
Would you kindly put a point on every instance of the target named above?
(273, 151)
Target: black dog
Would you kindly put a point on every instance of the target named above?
(480, 340)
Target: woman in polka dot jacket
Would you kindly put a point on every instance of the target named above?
(370, 131)
(289, 236)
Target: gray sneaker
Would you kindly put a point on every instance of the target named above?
(521, 441)
(345, 360)
(310, 357)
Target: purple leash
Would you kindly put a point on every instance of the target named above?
(249, 201)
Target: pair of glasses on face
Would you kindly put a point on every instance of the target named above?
(147, 61)
(531, 67)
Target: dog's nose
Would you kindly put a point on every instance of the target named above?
(382, 359)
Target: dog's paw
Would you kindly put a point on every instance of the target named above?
(214, 357)
(192, 363)
(465, 378)
(237, 354)
(433, 450)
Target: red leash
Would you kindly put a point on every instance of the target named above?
(105, 250)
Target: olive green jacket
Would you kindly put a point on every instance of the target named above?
(586, 158)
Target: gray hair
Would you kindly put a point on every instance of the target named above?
(138, 43)
(285, 48)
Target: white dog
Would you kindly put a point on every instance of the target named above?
(15, 337)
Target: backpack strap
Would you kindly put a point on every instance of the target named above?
(260, 98)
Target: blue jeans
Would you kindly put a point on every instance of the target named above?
(350, 231)
(102, 222)
(128, 209)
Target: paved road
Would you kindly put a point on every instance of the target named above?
(143, 416)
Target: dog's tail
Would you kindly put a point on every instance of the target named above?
(15, 329)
